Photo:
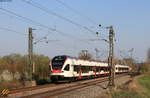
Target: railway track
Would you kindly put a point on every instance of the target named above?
(24, 91)
(61, 90)
(12, 91)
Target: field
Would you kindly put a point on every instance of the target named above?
(145, 83)
(138, 88)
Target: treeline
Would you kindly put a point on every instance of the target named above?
(16, 63)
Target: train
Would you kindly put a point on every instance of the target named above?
(64, 67)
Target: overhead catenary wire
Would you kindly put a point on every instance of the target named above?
(10, 30)
(41, 25)
(35, 22)
(76, 12)
(25, 18)
(29, 20)
(39, 6)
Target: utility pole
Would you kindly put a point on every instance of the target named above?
(111, 65)
(31, 67)
(30, 53)
(111, 57)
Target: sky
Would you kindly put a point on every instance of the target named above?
(130, 19)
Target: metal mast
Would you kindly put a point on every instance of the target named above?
(111, 57)
(30, 53)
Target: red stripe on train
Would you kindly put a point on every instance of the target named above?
(80, 75)
(57, 71)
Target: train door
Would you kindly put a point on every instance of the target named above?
(73, 72)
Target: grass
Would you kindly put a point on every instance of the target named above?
(128, 92)
(144, 81)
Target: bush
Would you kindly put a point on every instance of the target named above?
(18, 63)
(43, 81)
(144, 67)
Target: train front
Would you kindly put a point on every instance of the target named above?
(60, 68)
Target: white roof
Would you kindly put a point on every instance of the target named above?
(94, 63)
(89, 63)
(122, 66)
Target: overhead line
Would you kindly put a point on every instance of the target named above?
(76, 12)
(30, 20)
(6, 29)
(41, 25)
(36, 23)
(39, 6)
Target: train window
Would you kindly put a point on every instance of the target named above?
(57, 62)
(97, 69)
(86, 69)
(101, 69)
(67, 67)
(90, 68)
(105, 69)
(75, 68)
(83, 69)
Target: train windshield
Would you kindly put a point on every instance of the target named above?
(57, 62)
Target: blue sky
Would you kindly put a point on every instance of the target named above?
(130, 19)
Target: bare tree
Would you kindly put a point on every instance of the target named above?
(131, 62)
(84, 55)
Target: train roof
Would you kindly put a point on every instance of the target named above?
(125, 66)
(66, 56)
(87, 62)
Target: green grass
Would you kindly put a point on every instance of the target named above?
(127, 94)
(144, 81)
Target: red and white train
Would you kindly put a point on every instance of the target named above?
(69, 68)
